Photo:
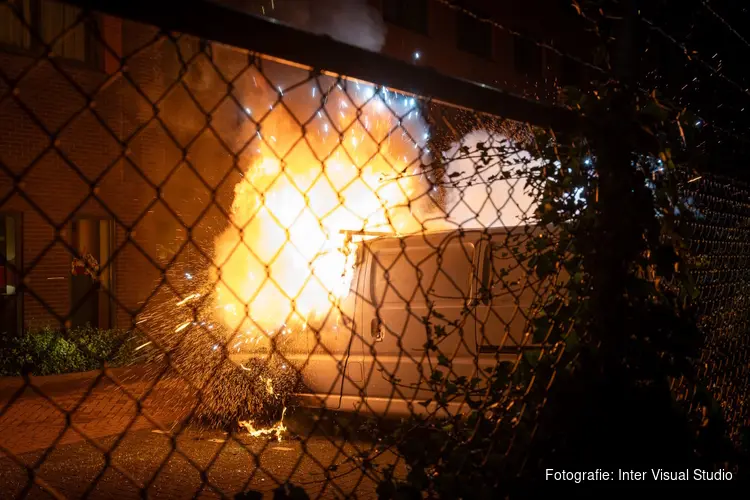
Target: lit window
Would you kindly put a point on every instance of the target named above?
(10, 271)
(9, 255)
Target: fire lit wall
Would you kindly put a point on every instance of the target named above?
(51, 193)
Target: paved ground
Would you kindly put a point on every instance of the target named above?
(110, 450)
(33, 416)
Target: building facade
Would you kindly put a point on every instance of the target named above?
(119, 166)
(512, 52)
(501, 54)
(67, 186)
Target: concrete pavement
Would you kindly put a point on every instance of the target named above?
(111, 450)
(35, 415)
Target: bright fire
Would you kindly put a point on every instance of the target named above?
(355, 171)
(277, 429)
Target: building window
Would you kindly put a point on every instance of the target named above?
(54, 23)
(474, 36)
(527, 57)
(92, 300)
(9, 255)
(10, 270)
(411, 14)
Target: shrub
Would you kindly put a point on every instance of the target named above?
(49, 351)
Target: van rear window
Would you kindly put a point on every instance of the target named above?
(506, 279)
(417, 274)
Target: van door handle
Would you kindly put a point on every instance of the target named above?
(376, 330)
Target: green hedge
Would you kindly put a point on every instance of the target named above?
(48, 351)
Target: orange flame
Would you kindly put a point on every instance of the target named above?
(278, 428)
(290, 259)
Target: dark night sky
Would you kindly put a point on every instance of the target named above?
(715, 82)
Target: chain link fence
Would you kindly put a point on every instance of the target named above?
(267, 263)
(265, 242)
(716, 239)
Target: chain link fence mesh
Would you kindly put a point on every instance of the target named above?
(264, 244)
(716, 240)
(278, 258)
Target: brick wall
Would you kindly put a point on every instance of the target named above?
(106, 161)
(72, 169)
(143, 130)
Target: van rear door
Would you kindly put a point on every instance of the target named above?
(410, 280)
(507, 289)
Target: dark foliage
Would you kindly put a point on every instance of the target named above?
(48, 351)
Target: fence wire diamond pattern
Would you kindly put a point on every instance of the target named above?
(262, 265)
(260, 243)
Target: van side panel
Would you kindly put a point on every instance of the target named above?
(411, 281)
(475, 292)
(508, 290)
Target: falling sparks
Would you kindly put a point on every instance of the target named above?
(141, 346)
(188, 299)
(288, 256)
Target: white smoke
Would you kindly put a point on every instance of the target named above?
(481, 196)
(354, 22)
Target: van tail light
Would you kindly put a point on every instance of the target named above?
(377, 330)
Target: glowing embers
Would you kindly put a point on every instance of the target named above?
(278, 429)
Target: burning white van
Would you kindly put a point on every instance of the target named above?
(370, 354)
